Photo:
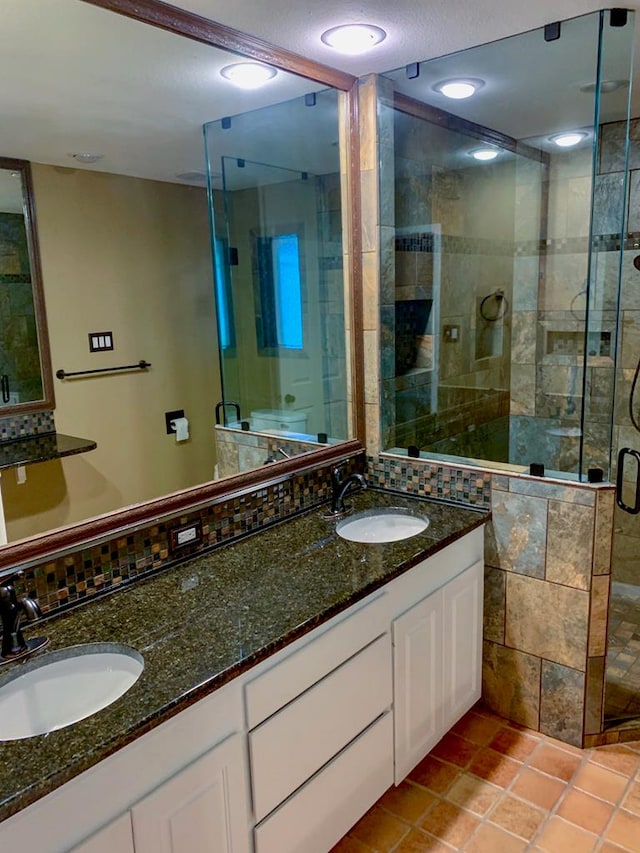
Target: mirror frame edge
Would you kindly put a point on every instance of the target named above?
(120, 522)
(180, 21)
(31, 226)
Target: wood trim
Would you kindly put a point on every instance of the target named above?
(48, 397)
(355, 267)
(442, 118)
(193, 26)
(124, 521)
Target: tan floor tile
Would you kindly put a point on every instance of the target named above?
(515, 744)
(556, 762)
(607, 847)
(537, 788)
(473, 794)
(407, 801)
(492, 839)
(420, 842)
(567, 747)
(493, 767)
(601, 782)
(350, 845)
(434, 774)
(617, 757)
(624, 831)
(559, 836)
(449, 823)
(631, 801)
(455, 750)
(477, 728)
(585, 811)
(379, 829)
(517, 817)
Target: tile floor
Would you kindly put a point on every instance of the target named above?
(622, 695)
(491, 786)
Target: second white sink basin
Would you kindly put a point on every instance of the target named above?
(62, 687)
(386, 524)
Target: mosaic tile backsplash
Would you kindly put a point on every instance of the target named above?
(16, 427)
(70, 579)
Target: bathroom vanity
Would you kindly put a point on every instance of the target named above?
(289, 680)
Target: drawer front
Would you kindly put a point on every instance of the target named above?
(287, 679)
(319, 814)
(297, 741)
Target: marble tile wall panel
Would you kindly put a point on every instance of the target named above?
(547, 620)
(603, 525)
(519, 525)
(598, 615)
(495, 585)
(569, 544)
(561, 702)
(593, 718)
(511, 684)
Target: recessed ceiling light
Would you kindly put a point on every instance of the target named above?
(484, 154)
(87, 157)
(248, 75)
(569, 138)
(353, 39)
(459, 88)
(606, 86)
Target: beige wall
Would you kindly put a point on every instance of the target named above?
(130, 256)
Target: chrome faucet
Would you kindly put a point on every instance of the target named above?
(340, 487)
(12, 609)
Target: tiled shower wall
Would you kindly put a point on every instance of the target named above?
(547, 579)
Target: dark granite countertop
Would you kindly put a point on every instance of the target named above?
(41, 448)
(200, 624)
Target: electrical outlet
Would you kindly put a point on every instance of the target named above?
(451, 334)
(188, 534)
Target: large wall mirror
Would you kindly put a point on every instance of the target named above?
(110, 113)
(25, 367)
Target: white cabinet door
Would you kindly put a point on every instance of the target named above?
(463, 601)
(418, 699)
(116, 837)
(202, 809)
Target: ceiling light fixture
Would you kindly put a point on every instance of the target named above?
(484, 154)
(606, 86)
(568, 139)
(87, 157)
(353, 39)
(248, 75)
(459, 88)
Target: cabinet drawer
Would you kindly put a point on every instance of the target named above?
(297, 741)
(274, 688)
(320, 813)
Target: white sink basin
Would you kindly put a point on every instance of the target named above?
(387, 524)
(62, 687)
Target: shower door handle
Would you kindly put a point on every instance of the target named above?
(627, 451)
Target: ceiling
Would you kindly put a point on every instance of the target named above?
(416, 29)
(141, 96)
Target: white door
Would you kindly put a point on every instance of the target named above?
(417, 660)
(463, 601)
(202, 809)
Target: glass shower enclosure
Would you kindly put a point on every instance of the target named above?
(275, 190)
(512, 315)
(509, 213)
